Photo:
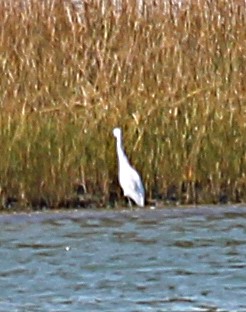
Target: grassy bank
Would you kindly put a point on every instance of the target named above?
(173, 79)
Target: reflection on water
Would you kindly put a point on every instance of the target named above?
(144, 260)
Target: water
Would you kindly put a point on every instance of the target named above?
(187, 259)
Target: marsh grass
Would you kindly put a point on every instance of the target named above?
(174, 78)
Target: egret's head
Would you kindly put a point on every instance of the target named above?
(117, 132)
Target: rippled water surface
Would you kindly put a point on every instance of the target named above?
(186, 259)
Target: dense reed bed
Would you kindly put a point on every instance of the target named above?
(172, 76)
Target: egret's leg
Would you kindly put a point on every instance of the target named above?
(129, 202)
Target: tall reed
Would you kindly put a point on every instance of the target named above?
(172, 76)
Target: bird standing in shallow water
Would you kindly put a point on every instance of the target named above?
(129, 178)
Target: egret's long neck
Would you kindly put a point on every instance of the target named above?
(122, 158)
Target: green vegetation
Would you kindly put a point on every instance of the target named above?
(173, 79)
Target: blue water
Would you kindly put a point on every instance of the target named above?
(175, 259)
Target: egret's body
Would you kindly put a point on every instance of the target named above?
(129, 178)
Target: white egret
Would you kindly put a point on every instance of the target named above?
(129, 178)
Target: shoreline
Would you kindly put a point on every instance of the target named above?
(10, 204)
(123, 212)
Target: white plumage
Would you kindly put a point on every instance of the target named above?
(129, 178)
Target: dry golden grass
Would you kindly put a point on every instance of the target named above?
(174, 78)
